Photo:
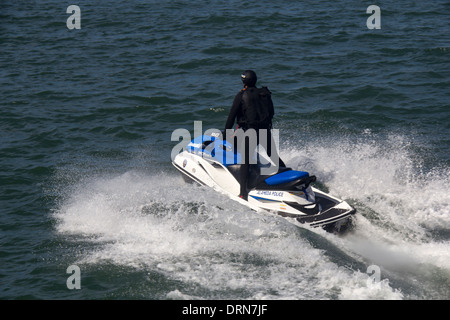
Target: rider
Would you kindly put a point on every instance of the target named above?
(241, 108)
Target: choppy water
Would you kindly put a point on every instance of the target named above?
(86, 120)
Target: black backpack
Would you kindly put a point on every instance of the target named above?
(257, 108)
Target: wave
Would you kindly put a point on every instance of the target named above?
(402, 222)
(385, 175)
(213, 247)
(210, 247)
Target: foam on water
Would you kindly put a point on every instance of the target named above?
(385, 176)
(216, 248)
(403, 208)
(213, 246)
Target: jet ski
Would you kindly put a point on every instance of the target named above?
(209, 160)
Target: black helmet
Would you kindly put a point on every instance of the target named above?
(249, 78)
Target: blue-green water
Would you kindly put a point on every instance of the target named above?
(86, 121)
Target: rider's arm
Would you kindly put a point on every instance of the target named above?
(233, 111)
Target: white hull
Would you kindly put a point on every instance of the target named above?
(303, 203)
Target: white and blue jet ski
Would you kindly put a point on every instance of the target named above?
(211, 161)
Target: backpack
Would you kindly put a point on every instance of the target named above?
(257, 108)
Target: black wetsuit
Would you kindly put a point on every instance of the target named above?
(236, 113)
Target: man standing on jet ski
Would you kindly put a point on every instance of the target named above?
(252, 109)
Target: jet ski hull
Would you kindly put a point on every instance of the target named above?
(296, 200)
(286, 192)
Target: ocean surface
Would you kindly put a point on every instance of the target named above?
(86, 118)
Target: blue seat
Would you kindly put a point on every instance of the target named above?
(286, 176)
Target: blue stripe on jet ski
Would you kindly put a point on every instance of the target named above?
(286, 176)
(259, 198)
